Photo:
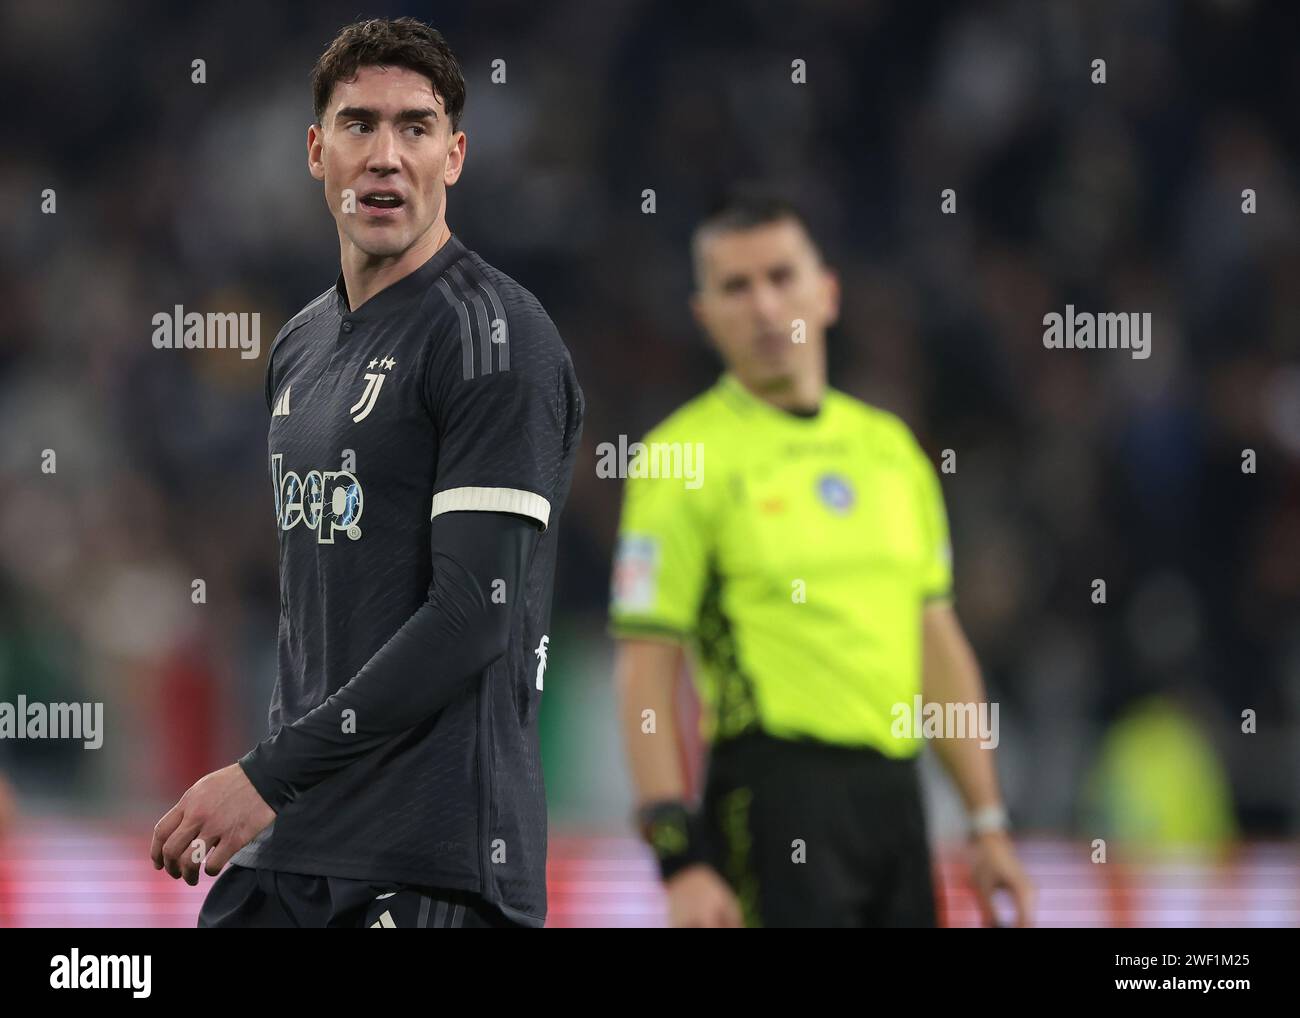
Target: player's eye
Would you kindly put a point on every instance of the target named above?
(782, 275)
(419, 130)
(352, 127)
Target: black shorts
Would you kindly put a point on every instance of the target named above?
(809, 834)
(261, 898)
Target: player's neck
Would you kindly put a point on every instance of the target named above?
(364, 275)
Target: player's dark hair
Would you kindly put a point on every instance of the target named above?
(397, 42)
(744, 208)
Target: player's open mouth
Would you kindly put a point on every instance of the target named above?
(381, 203)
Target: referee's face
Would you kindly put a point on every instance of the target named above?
(765, 300)
(386, 153)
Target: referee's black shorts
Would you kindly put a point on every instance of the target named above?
(809, 834)
(262, 898)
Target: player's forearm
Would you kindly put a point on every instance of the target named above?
(429, 662)
(645, 675)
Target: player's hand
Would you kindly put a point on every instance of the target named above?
(699, 897)
(219, 815)
(994, 867)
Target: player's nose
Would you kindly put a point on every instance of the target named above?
(383, 150)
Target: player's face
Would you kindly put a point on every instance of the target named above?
(755, 286)
(387, 154)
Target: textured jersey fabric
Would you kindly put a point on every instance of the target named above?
(449, 391)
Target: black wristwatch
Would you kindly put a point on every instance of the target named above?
(669, 828)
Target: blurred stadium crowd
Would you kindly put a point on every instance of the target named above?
(1122, 718)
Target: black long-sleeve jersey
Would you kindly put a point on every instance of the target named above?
(403, 729)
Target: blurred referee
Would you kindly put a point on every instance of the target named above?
(807, 567)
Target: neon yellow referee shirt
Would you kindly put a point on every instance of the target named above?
(794, 558)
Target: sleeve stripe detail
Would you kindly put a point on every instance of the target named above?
(465, 292)
(475, 274)
(466, 343)
(301, 318)
(312, 305)
(502, 500)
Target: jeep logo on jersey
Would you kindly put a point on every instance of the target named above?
(325, 500)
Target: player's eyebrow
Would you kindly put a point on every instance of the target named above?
(367, 114)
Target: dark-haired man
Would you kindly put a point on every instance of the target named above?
(808, 570)
(424, 420)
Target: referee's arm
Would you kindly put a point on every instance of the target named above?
(646, 671)
(646, 674)
(950, 674)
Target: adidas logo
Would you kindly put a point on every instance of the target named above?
(384, 922)
(281, 408)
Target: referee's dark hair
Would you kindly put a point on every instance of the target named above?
(744, 208)
(397, 42)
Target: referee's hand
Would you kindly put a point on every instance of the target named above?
(698, 897)
(994, 867)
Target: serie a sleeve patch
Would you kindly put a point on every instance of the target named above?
(636, 574)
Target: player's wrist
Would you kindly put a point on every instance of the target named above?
(260, 778)
(671, 831)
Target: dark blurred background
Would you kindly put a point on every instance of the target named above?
(1120, 721)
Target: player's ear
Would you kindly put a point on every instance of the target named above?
(315, 163)
(455, 159)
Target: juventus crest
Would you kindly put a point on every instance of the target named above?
(374, 382)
